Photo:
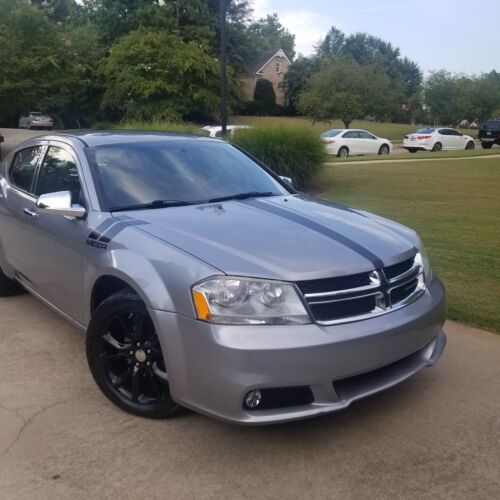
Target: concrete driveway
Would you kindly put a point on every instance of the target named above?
(435, 436)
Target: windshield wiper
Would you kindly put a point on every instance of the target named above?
(242, 196)
(152, 204)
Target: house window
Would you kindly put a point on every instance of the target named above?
(278, 67)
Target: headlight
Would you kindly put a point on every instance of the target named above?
(426, 263)
(244, 301)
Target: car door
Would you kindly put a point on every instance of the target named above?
(368, 143)
(18, 208)
(57, 242)
(457, 139)
(445, 138)
(352, 140)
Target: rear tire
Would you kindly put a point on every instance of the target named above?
(486, 145)
(125, 357)
(470, 146)
(437, 147)
(384, 150)
(9, 287)
(343, 152)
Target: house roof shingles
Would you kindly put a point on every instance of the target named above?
(262, 58)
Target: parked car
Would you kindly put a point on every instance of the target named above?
(489, 133)
(437, 139)
(36, 119)
(351, 142)
(204, 280)
(216, 131)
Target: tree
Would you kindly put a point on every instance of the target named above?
(264, 93)
(297, 77)
(157, 74)
(268, 33)
(347, 90)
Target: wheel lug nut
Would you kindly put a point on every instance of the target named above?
(138, 344)
(149, 351)
(131, 353)
(148, 363)
(137, 364)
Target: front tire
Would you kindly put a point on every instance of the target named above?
(384, 150)
(9, 287)
(469, 146)
(437, 147)
(486, 145)
(343, 152)
(125, 357)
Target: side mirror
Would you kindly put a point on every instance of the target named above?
(59, 204)
(288, 180)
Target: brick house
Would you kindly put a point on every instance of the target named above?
(272, 65)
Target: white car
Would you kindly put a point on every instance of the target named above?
(437, 139)
(36, 119)
(350, 142)
(216, 131)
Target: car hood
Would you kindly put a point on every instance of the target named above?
(282, 237)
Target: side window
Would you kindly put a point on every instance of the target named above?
(24, 166)
(351, 135)
(443, 131)
(454, 132)
(365, 135)
(59, 173)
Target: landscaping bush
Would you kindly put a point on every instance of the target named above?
(152, 125)
(264, 93)
(295, 152)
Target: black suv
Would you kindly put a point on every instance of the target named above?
(489, 133)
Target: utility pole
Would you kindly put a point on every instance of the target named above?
(223, 67)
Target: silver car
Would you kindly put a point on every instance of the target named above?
(204, 280)
(36, 119)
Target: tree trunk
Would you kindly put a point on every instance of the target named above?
(347, 121)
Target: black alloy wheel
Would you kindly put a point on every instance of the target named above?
(126, 359)
(384, 150)
(437, 147)
(469, 146)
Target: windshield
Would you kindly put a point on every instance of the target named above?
(425, 131)
(331, 133)
(189, 171)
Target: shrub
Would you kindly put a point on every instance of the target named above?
(295, 152)
(155, 124)
(264, 93)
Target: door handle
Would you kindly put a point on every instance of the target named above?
(30, 213)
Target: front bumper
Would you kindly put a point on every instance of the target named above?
(211, 368)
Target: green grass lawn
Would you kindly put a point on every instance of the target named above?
(455, 207)
(421, 155)
(391, 131)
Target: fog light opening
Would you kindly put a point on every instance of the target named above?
(253, 399)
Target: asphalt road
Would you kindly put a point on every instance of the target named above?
(435, 436)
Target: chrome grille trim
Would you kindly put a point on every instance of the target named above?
(380, 288)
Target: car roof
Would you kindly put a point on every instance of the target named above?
(99, 138)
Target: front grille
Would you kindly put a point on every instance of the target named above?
(334, 284)
(392, 272)
(343, 308)
(358, 296)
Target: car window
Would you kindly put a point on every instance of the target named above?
(24, 166)
(189, 171)
(351, 135)
(59, 173)
(426, 130)
(452, 131)
(491, 125)
(331, 133)
(443, 131)
(365, 135)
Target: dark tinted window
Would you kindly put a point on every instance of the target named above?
(444, 131)
(452, 131)
(58, 173)
(491, 125)
(365, 135)
(183, 170)
(351, 135)
(425, 131)
(23, 167)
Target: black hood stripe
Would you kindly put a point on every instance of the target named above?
(310, 224)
